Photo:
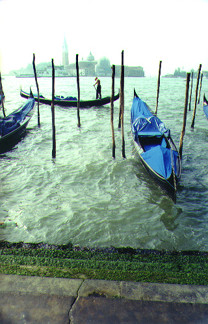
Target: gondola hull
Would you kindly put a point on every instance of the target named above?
(13, 127)
(71, 103)
(167, 185)
(10, 140)
(155, 147)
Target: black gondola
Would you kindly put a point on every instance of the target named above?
(13, 127)
(69, 101)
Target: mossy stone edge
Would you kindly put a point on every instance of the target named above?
(121, 264)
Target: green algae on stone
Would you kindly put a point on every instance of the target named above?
(127, 264)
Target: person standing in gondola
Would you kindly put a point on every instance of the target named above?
(98, 88)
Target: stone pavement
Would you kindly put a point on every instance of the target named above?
(75, 301)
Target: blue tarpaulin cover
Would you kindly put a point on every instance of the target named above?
(159, 159)
(65, 98)
(205, 108)
(12, 121)
(145, 124)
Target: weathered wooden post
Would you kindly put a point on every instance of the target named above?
(184, 115)
(36, 81)
(121, 94)
(53, 112)
(192, 76)
(2, 96)
(78, 89)
(158, 86)
(196, 93)
(200, 88)
(122, 103)
(112, 105)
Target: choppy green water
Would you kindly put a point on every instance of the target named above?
(85, 196)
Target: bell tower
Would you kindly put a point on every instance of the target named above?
(65, 54)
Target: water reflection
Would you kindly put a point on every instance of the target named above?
(170, 215)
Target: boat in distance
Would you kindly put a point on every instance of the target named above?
(13, 127)
(154, 144)
(205, 106)
(70, 101)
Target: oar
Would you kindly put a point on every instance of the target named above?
(174, 175)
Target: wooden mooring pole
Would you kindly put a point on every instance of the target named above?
(158, 86)
(200, 88)
(2, 96)
(122, 103)
(196, 94)
(192, 76)
(184, 115)
(36, 81)
(112, 108)
(121, 94)
(53, 112)
(78, 90)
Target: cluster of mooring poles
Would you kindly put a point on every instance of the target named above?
(188, 102)
(187, 99)
(184, 115)
(121, 112)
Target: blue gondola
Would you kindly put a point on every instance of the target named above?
(205, 106)
(155, 146)
(13, 127)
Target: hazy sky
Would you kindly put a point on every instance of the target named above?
(174, 31)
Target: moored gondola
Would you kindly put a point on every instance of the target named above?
(68, 102)
(155, 146)
(13, 127)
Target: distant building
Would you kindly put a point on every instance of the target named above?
(90, 58)
(86, 67)
(103, 68)
(130, 71)
(65, 54)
